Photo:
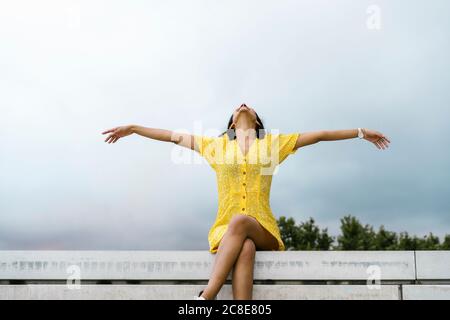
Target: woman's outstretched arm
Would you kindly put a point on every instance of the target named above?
(181, 139)
(307, 138)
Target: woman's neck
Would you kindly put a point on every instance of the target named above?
(249, 133)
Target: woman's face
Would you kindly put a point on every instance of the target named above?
(244, 111)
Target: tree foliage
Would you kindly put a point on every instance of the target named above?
(305, 236)
(353, 236)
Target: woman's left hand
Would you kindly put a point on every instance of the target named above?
(377, 138)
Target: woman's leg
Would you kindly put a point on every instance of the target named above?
(240, 227)
(243, 271)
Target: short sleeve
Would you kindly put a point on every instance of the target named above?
(206, 147)
(286, 145)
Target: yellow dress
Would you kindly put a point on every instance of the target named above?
(244, 181)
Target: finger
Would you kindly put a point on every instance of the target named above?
(387, 139)
(115, 139)
(376, 144)
(386, 144)
(109, 137)
(109, 130)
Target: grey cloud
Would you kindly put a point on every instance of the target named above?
(303, 66)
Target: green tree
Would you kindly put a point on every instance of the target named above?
(288, 231)
(310, 237)
(430, 242)
(405, 242)
(386, 240)
(355, 236)
(306, 236)
(446, 243)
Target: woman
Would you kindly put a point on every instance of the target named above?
(244, 160)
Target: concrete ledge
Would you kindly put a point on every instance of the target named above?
(197, 265)
(426, 292)
(182, 274)
(433, 265)
(187, 292)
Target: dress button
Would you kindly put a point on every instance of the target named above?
(243, 209)
(244, 184)
(243, 197)
(243, 172)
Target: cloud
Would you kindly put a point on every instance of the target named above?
(71, 69)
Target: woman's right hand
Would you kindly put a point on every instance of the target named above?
(377, 138)
(118, 132)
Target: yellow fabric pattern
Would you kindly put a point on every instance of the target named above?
(244, 181)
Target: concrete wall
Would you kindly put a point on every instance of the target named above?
(197, 265)
(181, 274)
(187, 292)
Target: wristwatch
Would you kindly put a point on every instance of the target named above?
(360, 133)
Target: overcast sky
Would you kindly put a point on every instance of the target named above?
(72, 69)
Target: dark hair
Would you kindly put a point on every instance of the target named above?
(232, 132)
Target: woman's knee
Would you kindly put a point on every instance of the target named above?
(248, 249)
(239, 224)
